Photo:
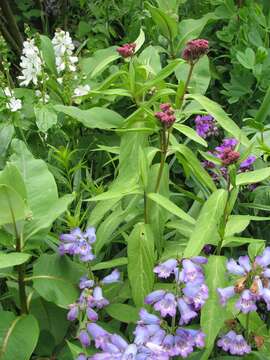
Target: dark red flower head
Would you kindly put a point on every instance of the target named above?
(229, 156)
(166, 115)
(195, 49)
(127, 50)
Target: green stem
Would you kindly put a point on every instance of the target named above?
(187, 83)
(145, 208)
(163, 148)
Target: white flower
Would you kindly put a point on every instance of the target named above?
(63, 49)
(31, 63)
(82, 90)
(46, 99)
(14, 104)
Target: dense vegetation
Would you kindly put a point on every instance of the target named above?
(134, 179)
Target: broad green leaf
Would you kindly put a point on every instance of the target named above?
(13, 207)
(110, 264)
(247, 58)
(141, 262)
(12, 259)
(56, 278)
(150, 57)
(206, 226)
(46, 117)
(190, 133)
(236, 224)
(123, 312)
(171, 207)
(166, 24)
(221, 117)
(252, 177)
(45, 205)
(100, 210)
(212, 315)
(182, 227)
(200, 79)
(94, 118)
(48, 53)
(6, 134)
(18, 336)
(254, 249)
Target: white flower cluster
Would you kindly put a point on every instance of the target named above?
(81, 90)
(12, 104)
(63, 49)
(31, 63)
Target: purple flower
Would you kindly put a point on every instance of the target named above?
(183, 343)
(227, 340)
(206, 126)
(245, 263)
(198, 337)
(192, 272)
(164, 270)
(195, 49)
(90, 234)
(112, 278)
(234, 344)
(144, 332)
(196, 294)
(266, 297)
(225, 294)
(234, 268)
(166, 306)
(264, 259)
(97, 299)
(73, 312)
(246, 164)
(130, 352)
(91, 314)
(149, 319)
(166, 115)
(84, 338)
(246, 303)
(154, 296)
(227, 143)
(86, 283)
(100, 336)
(186, 312)
(126, 50)
(81, 357)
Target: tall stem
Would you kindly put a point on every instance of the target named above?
(187, 83)
(225, 218)
(163, 147)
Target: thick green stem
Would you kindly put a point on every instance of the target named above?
(187, 84)
(163, 147)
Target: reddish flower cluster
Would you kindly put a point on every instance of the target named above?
(195, 49)
(166, 115)
(126, 50)
(226, 152)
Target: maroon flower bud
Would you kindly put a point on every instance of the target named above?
(166, 115)
(195, 49)
(229, 156)
(127, 50)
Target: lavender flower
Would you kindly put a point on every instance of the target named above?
(247, 163)
(164, 270)
(196, 294)
(234, 268)
(246, 303)
(73, 312)
(84, 338)
(112, 278)
(206, 126)
(234, 344)
(154, 296)
(148, 318)
(264, 259)
(225, 294)
(186, 312)
(192, 272)
(97, 299)
(166, 306)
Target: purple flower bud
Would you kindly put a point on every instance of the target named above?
(166, 115)
(186, 312)
(195, 49)
(166, 306)
(91, 314)
(154, 296)
(126, 50)
(84, 338)
(264, 259)
(225, 294)
(112, 278)
(206, 126)
(234, 268)
(119, 342)
(246, 303)
(149, 319)
(199, 260)
(73, 312)
(98, 299)
(86, 283)
(165, 269)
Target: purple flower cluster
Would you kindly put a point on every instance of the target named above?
(206, 126)
(126, 50)
(226, 152)
(195, 49)
(166, 115)
(90, 301)
(234, 344)
(253, 283)
(78, 243)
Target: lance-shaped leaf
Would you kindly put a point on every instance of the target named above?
(206, 227)
(12, 259)
(252, 177)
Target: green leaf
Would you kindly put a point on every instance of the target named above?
(94, 118)
(255, 249)
(13, 207)
(247, 58)
(11, 175)
(206, 226)
(264, 109)
(12, 259)
(48, 53)
(55, 278)
(190, 133)
(110, 264)
(45, 205)
(140, 40)
(234, 241)
(171, 207)
(123, 312)
(252, 177)
(46, 117)
(221, 117)
(212, 315)
(141, 262)
(151, 59)
(236, 224)
(18, 336)
(200, 79)
(6, 134)
(166, 24)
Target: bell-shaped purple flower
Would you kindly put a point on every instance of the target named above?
(90, 234)
(98, 300)
(100, 336)
(246, 303)
(166, 306)
(240, 346)
(91, 314)
(192, 272)
(264, 259)
(196, 294)
(225, 294)
(226, 341)
(184, 343)
(130, 352)
(86, 283)
(149, 319)
(234, 268)
(186, 312)
(164, 270)
(73, 312)
(198, 337)
(154, 296)
(112, 278)
(84, 338)
(246, 164)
